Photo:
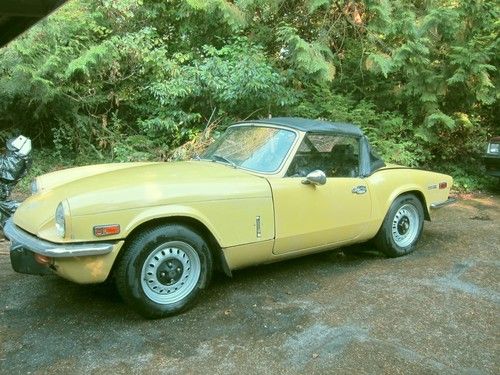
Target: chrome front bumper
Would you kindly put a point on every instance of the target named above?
(21, 239)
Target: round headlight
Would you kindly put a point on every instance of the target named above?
(34, 186)
(60, 221)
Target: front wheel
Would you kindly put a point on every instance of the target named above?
(163, 270)
(402, 226)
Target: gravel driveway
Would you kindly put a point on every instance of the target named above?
(352, 312)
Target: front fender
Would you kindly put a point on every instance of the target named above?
(232, 222)
(162, 212)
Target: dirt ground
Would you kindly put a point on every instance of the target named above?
(435, 311)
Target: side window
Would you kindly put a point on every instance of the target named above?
(336, 155)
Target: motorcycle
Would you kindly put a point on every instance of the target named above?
(13, 166)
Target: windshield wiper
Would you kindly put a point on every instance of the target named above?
(223, 159)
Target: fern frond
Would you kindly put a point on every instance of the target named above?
(379, 63)
(314, 5)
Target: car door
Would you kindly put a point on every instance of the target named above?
(308, 216)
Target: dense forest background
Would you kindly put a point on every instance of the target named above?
(104, 80)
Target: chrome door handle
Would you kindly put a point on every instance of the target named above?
(361, 189)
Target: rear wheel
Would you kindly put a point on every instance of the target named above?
(402, 226)
(163, 270)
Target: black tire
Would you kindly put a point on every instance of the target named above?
(402, 227)
(163, 269)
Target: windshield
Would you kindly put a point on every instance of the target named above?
(257, 148)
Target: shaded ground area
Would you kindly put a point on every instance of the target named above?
(435, 311)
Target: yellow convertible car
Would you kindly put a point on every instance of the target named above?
(265, 191)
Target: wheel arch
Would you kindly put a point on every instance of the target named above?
(421, 197)
(386, 204)
(385, 241)
(190, 222)
(410, 190)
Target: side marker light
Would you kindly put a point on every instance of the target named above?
(106, 230)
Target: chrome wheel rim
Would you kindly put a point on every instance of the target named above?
(171, 272)
(405, 225)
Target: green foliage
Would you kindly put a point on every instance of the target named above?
(236, 77)
(135, 79)
(314, 5)
(466, 179)
(311, 59)
(387, 131)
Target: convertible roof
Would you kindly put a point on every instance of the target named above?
(308, 125)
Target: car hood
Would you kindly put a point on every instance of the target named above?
(51, 180)
(135, 185)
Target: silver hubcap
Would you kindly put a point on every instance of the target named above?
(170, 272)
(405, 225)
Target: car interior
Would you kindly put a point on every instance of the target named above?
(340, 161)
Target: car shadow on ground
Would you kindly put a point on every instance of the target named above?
(103, 299)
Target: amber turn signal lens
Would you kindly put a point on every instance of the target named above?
(443, 185)
(106, 230)
(42, 259)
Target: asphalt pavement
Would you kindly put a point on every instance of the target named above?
(435, 311)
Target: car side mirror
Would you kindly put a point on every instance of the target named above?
(316, 177)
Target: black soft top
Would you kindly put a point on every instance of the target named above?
(313, 126)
